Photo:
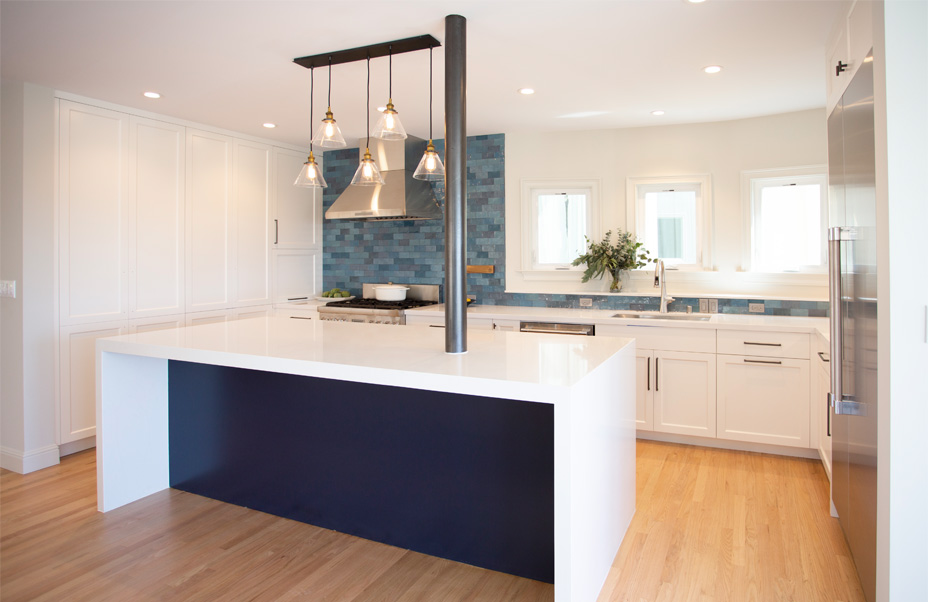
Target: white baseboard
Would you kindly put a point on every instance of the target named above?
(30, 461)
(66, 449)
(763, 448)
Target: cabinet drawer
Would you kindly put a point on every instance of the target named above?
(764, 344)
(663, 338)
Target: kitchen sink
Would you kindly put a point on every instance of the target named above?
(675, 316)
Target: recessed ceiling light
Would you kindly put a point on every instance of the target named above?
(658, 112)
(526, 91)
(151, 95)
(695, 1)
(270, 126)
(712, 69)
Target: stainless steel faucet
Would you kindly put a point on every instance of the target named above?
(660, 282)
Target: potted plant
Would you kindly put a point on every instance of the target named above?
(606, 257)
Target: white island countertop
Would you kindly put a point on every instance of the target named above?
(497, 364)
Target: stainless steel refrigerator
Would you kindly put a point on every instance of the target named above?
(853, 297)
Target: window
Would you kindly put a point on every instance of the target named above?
(787, 219)
(557, 218)
(669, 218)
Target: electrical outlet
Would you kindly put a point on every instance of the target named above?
(703, 306)
(756, 308)
(8, 288)
(713, 306)
(586, 302)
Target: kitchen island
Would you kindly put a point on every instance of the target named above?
(517, 456)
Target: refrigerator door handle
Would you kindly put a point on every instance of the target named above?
(841, 403)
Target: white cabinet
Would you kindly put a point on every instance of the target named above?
(252, 223)
(93, 210)
(209, 213)
(675, 388)
(507, 325)
(156, 323)
(297, 210)
(684, 393)
(299, 275)
(207, 317)
(77, 377)
(763, 380)
(821, 411)
(850, 43)
(156, 218)
(763, 400)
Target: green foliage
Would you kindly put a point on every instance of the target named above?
(604, 257)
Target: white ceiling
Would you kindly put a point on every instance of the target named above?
(229, 64)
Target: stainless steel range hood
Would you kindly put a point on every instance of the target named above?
(401, 197)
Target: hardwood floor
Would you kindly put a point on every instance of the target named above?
(710, 525)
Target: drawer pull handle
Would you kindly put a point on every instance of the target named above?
(436, 325)
(649, 374)
(299, 318)
(777, 362)
(764, 344)
(821, 356)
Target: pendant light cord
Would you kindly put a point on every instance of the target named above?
(330, 83)
(368, 102)
(310, 110)
(430, 93)
(391, 72)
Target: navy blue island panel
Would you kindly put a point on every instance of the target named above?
(457, 476)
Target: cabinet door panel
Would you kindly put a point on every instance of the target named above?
(299, 275)
(78, 378)
(644, 392)
(252, 223)
(156, 211)
(684, 393)
(763, 402)
(209, 214)
(298, 210)
(93, 214)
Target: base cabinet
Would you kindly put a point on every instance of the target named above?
(644, 390)
(763, 400)
(684, 393)
(821, 387)
(78, 377)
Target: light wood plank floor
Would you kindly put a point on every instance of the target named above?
(710, 525)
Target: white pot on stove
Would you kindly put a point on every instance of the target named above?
(390, 292)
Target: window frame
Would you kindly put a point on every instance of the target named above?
(635, 214)
(531, 189)
(749, 181)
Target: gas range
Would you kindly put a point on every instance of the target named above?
(372, 311)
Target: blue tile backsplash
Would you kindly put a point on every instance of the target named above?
(413, 252)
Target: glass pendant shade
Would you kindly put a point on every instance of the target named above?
(367, 174)
(388, 126)
(329, 135)
(430, 167)
(310, 176)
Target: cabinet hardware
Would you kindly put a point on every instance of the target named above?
(821, 356)
(442, 326)
(776, 362)
(276, 231)
(657, 374)
(299, 318)
(297, 298)
(828, 413)
(840, 68)
(649, 374)
(764, 344)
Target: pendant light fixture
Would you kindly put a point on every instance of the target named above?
(329, 135)
(430, 167)
(310, 176)
(388, 126)
(367, 173)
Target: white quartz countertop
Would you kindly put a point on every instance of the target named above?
(605, 316)
(497, 364)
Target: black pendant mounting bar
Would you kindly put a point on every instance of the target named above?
(373, 51)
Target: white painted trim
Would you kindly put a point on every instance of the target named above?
(29, 461)
(102, 104)
(595, 223)
(763, 448)
(72, 447)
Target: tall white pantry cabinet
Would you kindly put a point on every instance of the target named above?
(161, 225)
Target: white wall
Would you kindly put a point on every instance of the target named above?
(27, 407)
(901, 135)
(721, 149)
